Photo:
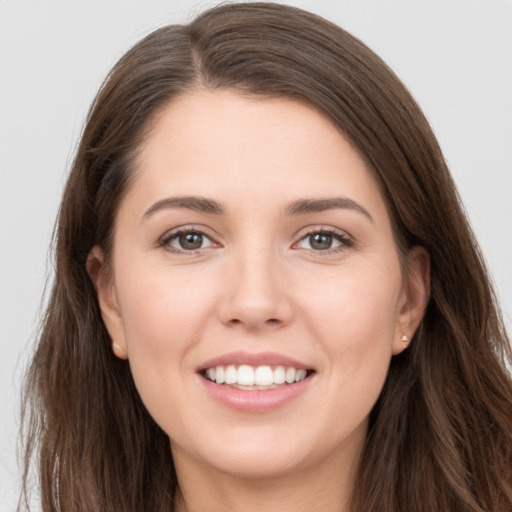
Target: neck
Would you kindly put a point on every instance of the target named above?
(320, 487)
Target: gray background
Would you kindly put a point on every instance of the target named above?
(454, 55)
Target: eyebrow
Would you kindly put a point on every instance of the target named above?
(196, 203)
(298, 207)
(303, 206)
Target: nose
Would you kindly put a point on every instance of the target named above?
(256, 294)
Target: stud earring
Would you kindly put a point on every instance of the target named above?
(118, 350)
(405, 339)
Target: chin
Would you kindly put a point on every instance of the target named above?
(262, 453)
(260, 464)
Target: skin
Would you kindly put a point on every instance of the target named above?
(257, 284)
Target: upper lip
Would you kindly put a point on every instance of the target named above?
(253, 359)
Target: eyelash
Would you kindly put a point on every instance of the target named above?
(344, 240)
(166, 240)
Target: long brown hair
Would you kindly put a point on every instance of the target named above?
(440, 436)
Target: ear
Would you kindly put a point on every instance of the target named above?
(414, 298)
(102, 279)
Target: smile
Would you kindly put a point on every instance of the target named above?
(252, 378)
(256, 382)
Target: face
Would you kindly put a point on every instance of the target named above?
(255, 286)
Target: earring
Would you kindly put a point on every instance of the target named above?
(405, 339)
(118, 350)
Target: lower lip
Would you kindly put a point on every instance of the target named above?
(256, 401)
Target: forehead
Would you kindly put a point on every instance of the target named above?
(232, 147)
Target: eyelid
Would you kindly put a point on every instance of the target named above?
(346, 240)
(165, 239)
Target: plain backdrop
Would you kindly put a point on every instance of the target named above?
(454, 55)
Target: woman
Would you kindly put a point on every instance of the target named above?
(266, 293)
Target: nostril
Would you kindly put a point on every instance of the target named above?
(270, 321)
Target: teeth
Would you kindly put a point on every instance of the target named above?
(219, 375)
(252, 378)
(279, 375)
(290, 375)
(245, 375)
(230, 375)
(300, 375)
(264, 376)
(253, 388)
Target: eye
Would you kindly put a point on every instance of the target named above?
(188, 240)
(324, 240)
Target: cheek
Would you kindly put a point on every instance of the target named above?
(161, 309)
(355, 325)
(355, 319)
(163, 315)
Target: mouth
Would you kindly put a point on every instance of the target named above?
(255, 378)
